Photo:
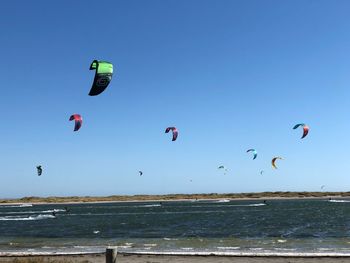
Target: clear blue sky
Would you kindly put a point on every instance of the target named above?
(231, 75)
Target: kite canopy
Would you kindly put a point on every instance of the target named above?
(39, 170)
(141, 173)
(103, 76)
(78, 121)
(274, 160)
(174, 130)
(254, 152)
(305, 129)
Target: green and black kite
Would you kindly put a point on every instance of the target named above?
(103, 76)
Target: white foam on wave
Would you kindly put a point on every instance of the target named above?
(339, 201)
(154, 205)
(248, 205)
(223, 201)
(229, 248)
(155, 213)
(257, 204)
(281, 241)
(53, 210)
(27, 218)
(22, 205)
(124, 246)
(33, 212)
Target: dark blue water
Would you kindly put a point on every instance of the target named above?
(279, 225)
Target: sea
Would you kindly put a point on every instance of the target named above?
(232, 226)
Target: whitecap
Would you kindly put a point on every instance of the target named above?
(231, 248)
(27, 218)
(54, 210)
(33, 212)
(124, 246)
(259, 204)
(339, 201)
(21, 205)
(223, 201)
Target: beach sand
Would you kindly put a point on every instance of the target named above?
(167, 259)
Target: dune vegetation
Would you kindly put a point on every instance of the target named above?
(169, 197)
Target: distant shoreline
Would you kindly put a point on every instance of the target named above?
(174, 197)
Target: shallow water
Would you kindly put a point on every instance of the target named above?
(280, 226)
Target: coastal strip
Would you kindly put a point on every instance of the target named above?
(173, 197)
(180, 257)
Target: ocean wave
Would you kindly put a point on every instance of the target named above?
(213, 206)
(154, 213)
(154, 205)
(124, 246)
(223, 201)
(339, 201)
(16, 206)
(34, 212)
(258, 204)
(27, 218)
(256, 248)
(54, 210)
(228, 248)
(281, 241)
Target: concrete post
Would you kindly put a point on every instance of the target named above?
(111, 255)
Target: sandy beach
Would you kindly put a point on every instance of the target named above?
(100, 258)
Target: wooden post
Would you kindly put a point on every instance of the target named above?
(111, 255)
